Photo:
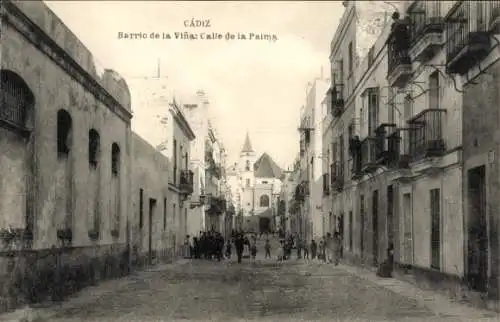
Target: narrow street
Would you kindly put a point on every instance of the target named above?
(266, 290)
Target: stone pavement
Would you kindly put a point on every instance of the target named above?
(265, 290)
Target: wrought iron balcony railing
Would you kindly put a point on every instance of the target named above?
(426, 134)
(468, 40)
(426, 29)
(425, 18)
(186, 182)
(399, 149)
(398, 56)
(337, 175)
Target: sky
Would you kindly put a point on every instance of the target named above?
(253, 85)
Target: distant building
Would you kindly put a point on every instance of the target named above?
(256, 184)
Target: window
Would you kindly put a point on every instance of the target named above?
(264, 201)
(175, 162)
(186, 161)
(247, 166)
(141, 208)
(373, 106)
(264, 182)
(248, 182)
(16, 99)
(434, 90)
(164, 214)
(64, 124)
(435, 229)
(94, 147)
(351, 58)
(115, 159)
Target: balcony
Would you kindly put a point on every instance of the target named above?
(326, 184)
(217, 206)
(382, 143)
(369, 154)
(300, 192)
(426, 135)
(337, 176)
(398, 149)
(337, 96)
(468, 41)
(186, 182)
(399, 68)
(355, 152)
(426, 29)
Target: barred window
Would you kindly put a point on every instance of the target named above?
(16, 98)
(64, 125)
(115, 159)
(94, 147)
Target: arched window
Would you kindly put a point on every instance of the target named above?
(94, 147)
(16, 99)
(264, 201)
(64, 124)
(115, 159)
(247, 166)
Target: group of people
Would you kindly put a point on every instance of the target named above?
(212, 246)
(329, 248)
(207, 245)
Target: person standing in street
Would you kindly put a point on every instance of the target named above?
(239, 244)
(298, 246)
(337, 247)
(314, 249)
(253, 249)
(267, 248)
(228, 249)
(305, 247)
(330, 246)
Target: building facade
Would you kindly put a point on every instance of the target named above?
(412, 170)
(197, 113)
(257, 184)
(216, 205)
(66, 153)
(311, 158)
(84, 197)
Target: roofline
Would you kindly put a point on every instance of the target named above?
(181, 120)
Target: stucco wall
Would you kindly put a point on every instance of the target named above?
(61, 91)
(150, 173)
(481, 135)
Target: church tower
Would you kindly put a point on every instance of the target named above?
(246, 163)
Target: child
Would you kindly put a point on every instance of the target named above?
(281, 255)
(268, 248)
(253, 250)
(228, 249)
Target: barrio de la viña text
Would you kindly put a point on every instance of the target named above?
(197, 36)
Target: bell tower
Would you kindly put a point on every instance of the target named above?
(246, 162)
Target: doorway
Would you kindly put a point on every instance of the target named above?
(477, 246)
(390, 215)
(264, 225)
(375, 228)
(152, 209)
(407, 229)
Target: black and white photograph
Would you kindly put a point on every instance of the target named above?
(249, 161)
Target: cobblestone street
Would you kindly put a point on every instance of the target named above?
(266, 290)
